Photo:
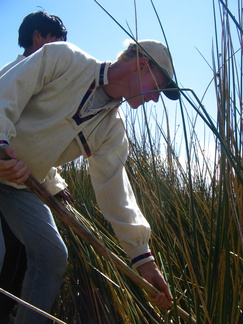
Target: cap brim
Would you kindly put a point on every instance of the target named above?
(172, 92)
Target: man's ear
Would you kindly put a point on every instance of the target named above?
(143, 62)
(36, 34)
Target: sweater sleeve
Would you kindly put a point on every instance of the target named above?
(115, 196)
(25, 80)
(15, 93)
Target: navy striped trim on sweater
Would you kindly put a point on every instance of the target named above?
(79, 120)
(3, 142)
(85, 144)
(141, 257)
(77, 117)
(102, 73)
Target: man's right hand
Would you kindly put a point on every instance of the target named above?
(13, 170)
(151, 273)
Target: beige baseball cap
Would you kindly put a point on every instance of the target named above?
(160, 55)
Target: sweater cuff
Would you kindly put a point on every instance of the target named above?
(3, 143)
(140, 255)
(141, 259)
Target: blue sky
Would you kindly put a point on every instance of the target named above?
(188, 25)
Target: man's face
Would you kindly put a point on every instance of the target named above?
(144, 86)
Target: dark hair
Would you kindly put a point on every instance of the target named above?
(44, 23)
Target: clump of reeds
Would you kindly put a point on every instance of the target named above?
(195, 208)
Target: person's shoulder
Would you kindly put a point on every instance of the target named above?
(69, 53)
(64, 50)
(9, 65)
(62, 46)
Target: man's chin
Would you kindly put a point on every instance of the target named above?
(134, 104)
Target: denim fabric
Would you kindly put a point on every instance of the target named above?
(33, 224)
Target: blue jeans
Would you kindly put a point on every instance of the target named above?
(32, 223)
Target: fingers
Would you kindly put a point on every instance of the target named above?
(167, 293)
(161, 301)
(14, 170)
(162, 286)
(151, 273)
(11, 153)
(164, 299)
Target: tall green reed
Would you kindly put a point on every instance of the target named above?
(207, 227)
